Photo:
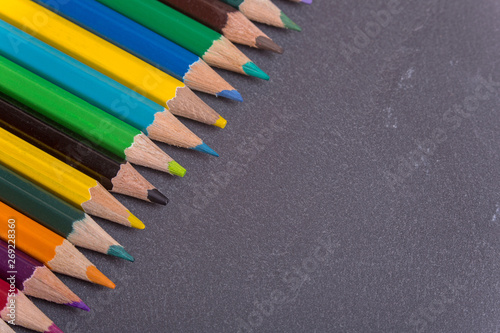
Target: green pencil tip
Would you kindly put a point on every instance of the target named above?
(176, 169)
(251, 69)
(119, 251)
(289, 24)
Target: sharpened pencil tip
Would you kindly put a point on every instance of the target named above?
(135, 222)
(230, 94)
(251, 69)
(119, 252)
(307, 1)
(54, 329)
(176, 169)
(95, 275)
(289, 24)
(221, 122)
(265, 43)
(157, 197)
(79, 305)
(204, 148)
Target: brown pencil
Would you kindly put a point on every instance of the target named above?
(225, 20)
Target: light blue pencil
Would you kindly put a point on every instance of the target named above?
(97, 89)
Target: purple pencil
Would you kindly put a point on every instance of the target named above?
(33, 278)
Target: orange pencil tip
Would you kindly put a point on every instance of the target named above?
(96, 276)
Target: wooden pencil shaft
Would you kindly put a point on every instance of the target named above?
(54, 251)
(27, 314)
(85, 83)
(25, 266)
(4, 328)
(38, 204)
(114, 176)
(20, 120)
(66, 109)
(128, 34)
(226, 20)
(183, 30)
(210, 45)
(212, 13)
(97, 53)
(52, 212)
(60, 179)
(33, 278)
(264, 11)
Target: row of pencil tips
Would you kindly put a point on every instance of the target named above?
(85, 86)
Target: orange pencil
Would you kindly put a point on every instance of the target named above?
(48, 247)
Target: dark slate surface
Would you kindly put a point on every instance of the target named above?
(358, 191)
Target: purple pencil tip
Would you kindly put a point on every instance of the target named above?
(54, 329)
(79, 305)
(307, 1)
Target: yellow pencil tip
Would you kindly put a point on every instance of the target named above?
(221, 122)
(96, 276)
(135, 222)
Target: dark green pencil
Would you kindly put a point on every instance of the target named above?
(56, 215)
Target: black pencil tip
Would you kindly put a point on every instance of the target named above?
(157, 197)
(267, 44)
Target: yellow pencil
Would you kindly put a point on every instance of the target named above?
(108, 59)
(62, 180)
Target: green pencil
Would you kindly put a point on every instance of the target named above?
(211, 46)
(56, 215)
(82, 118)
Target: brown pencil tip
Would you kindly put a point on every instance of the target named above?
(267, 44)
(96, 276)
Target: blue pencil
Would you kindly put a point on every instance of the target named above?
(144, 44)
(97, 89)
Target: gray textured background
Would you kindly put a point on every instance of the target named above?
(354, 193)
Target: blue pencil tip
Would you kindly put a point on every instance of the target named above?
(231, 94)
(204, 148)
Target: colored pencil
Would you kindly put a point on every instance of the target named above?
(264, 11)
(211, 46)
(83, 118)
(56, 215)
(144, 44)
(96, 88)
(54, 251)
(225, 20)
(15, 307)
(34, 279)
(62, 180)
(4, 328)
(115, 175)
(304, 1)
(108, 59)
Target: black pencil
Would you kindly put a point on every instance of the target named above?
(115, 175)
(225, 20)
